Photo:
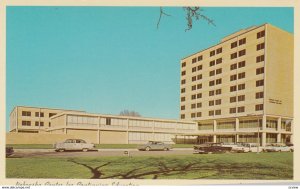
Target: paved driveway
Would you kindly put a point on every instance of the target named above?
(102, 152)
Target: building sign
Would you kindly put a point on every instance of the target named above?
(274, 101)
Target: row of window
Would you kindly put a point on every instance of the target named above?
(232, 99)
(233, 45)
(37, 114)
(28, 123)
(233, 110)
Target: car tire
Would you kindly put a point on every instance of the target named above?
(84, 149)
(147, 148)
(61, 150)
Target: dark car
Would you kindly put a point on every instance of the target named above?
(9, 151)
(211, 148)
(154, 145)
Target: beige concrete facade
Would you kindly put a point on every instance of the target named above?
(244, 80)
(99, 128)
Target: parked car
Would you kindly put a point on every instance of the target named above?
(74, 144)
(211, 148)
(278, 147)
(154, 145)
(9, 151)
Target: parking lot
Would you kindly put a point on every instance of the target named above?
(19, 153)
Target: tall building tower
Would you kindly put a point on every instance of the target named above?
(241, 90)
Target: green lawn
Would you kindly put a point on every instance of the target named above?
(195, 166)
(100, 146)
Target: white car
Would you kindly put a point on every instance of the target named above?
(278, 148)
(74, 144)
(241, 147)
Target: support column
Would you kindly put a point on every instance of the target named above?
(98, 132)
(278, 138)
(237, 124)
(279, 124)
(215, 125)
(215, 138)
(264, 122)
(236, 138)
(264, 139)
(127, 131)
(292, 129)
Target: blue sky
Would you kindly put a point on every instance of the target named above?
(107, 59)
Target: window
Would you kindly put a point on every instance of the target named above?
(26, 123)
(193, 97)
(233, 66)
(218, 102)
(260, 46)
(241, 98)
(259, 83)
(199, 77)
(212, 53)
(242, 75)
(199, 67)
(182, 116)
(232, 99)
(218, 91)
(199, 86)
(260, 58)
(199, 95)
(199, 105)
(212, 73)
(182, 73)
(218, 112)
(259, 95)
(182, 107)
(233, 55)
(108, 121)
(182, 99)
(193, 106)
(211, 93)
(212, 63)
(193, 87)
(241, 86)
(219, 50)
(182, 91)
(194, 69)
(212, 83)
(234, 44)
(242, 52)
(259, 107)
(211, 113)
(26, 113)
(199, 114)
(36, 123)
(219, 71)
(37, 114)
(183, 81)
(219, 61)
(242, 41)
(194, 78)
(193, 115)
(42, 114)
(211, 103)
(233, 77)
(194, 60)
(200, 58)
(52, 114)
(232, 110)
(233, 88)
(41, 124)
(218, 81)
(242, 64)
(183, 64)
(259, 71)
(260, 34)
(241, 109)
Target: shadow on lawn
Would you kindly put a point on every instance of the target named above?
(216, 170)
